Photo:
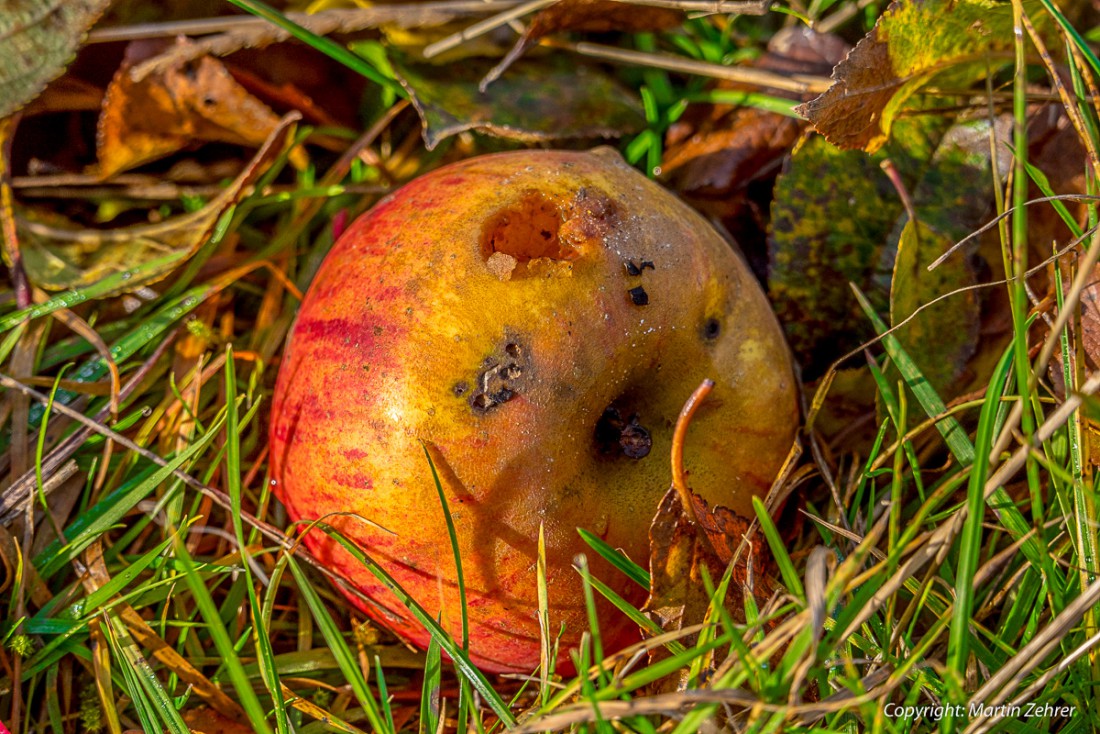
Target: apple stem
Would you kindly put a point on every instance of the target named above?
(679, 480)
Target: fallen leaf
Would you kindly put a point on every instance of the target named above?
(174, 108)
(205, 720)
(537, 100)
(586, 15)
(682, 549)
(943, 337)
(832, 214)
(59, 259)
(38, 38)
(911, 43)
(953, 198)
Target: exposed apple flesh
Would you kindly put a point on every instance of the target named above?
(536, 319)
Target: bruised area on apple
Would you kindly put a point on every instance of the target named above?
(535, 321)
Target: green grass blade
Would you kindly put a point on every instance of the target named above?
(157, 704)
(779, 551)
(429, 693)
(264, 652)
(953, 434)
(111, 509)
(325, 45)
(958, 646)
(453, 537)
(616, 558)
(222, 641)
(339, 647)
(461, 659)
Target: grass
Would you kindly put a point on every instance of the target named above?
(146, 571)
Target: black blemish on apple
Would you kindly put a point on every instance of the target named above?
(711, 329)
(638, 296)
(460, 388)
(499, 380)
(616, 435)
(635, 270)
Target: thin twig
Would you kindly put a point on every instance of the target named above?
(242, 32)
(483, 27)
(800, 83)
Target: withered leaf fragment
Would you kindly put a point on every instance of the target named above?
(174, 108)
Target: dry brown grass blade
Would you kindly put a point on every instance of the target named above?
(799, 83)
(1002, 683)
(238, 32)
(314, 711)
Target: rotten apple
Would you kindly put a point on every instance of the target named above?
(535, 320)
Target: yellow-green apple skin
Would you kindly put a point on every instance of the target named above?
(536, 320)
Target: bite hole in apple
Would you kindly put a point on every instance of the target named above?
(526, 231)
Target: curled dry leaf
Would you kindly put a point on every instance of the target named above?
(58, 259)
(911, 43)
(38, 38)
(189, 102)
(683, 549)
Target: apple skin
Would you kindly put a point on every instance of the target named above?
(489, 312)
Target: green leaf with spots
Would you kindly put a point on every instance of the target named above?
(955, 42)
(38, 38)
(534, 101)
(953, 199)
(832, 215)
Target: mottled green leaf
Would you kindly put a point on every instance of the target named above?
(58, 258)
(38, 38)
(953, 198)
(832, 216)
(941, 338)
(914, 41)
(536, 100)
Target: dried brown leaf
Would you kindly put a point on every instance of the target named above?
(912, 42)
(681, 548)
(189, 102)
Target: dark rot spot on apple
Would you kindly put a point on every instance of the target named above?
(460, 388)
(638, 296)
(635, 442)
(631, 268)
(711, 329)
(615, 435)
(499, 380)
